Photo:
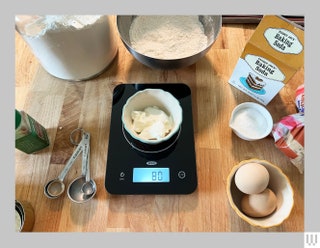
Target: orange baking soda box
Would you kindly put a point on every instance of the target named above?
(274, 53)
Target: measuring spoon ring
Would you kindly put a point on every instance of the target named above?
(55, 187)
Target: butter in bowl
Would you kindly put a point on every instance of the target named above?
(152, 116)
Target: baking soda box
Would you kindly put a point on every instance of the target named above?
(274, 53)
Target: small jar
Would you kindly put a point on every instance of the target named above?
(69, 47)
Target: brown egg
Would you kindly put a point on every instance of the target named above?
(259, 205)
(252, 178)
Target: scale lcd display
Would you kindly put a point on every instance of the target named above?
(151, 175)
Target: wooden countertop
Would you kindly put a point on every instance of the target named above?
(62, 106)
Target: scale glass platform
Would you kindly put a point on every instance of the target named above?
(169, 169)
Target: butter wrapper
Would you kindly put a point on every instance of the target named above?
(300, 98)
(288, 134)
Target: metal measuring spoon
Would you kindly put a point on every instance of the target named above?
(88, 187)
(55, 187)
(74, 190)
(83, 188)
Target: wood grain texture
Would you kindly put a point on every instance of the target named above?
(62, 106)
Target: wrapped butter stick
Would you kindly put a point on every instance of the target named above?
(300, 98)
(288, 134)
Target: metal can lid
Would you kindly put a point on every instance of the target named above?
(24, 216)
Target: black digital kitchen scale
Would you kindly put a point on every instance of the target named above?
(167, 169)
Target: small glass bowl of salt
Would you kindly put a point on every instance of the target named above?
(251, 121)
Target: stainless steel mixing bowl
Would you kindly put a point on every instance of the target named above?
(212, 25)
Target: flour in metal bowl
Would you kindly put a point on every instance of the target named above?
(168, 37)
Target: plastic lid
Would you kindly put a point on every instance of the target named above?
(18, 119)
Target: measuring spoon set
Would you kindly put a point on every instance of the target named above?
(82, 188)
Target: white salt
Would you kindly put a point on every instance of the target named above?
(249, 122)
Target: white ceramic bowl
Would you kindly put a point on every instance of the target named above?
(278, 183)
(251, 121)
(152, 97)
